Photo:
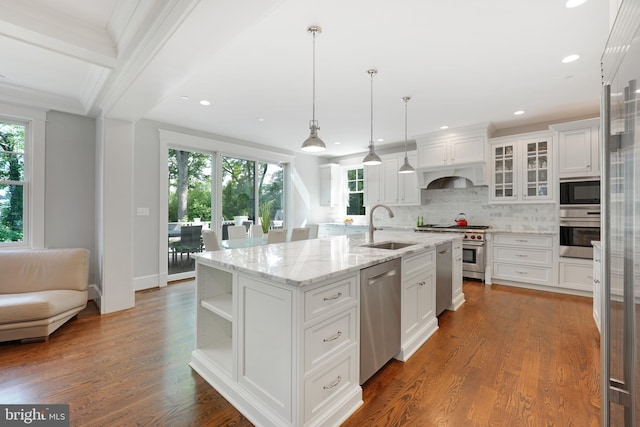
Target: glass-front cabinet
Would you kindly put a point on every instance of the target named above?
(521, 169)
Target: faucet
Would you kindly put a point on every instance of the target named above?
(371, 227)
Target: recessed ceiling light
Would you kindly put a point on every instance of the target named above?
(205, 102)
(638, 91)
(518, 113)
(380, 140)
(444, 127)
(574, 3)
(570, 58)
(261, 119)
(337, 143)
(185, 97)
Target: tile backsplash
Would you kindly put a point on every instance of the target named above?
(443, 206)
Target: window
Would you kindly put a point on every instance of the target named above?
(355, 191)
(13, 204)
(250, 187)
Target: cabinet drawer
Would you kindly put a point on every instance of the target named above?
(324, 299)
(329, 337)
(529, 240)
(542, 257)
(523, 273)
(323, 389)
(417, 263)
(576, 276)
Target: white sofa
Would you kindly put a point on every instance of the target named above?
(40, 290)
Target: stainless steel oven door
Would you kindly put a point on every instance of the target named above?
(473, 260)
(576, 237)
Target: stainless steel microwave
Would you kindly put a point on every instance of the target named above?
(580, 192)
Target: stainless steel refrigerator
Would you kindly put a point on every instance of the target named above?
(620, 228)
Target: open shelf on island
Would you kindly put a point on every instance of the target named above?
(220, 305)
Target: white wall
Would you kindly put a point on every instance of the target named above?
(304, 197)
(70, 183)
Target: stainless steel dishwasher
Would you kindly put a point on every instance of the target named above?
(444, 278)
(380, 290)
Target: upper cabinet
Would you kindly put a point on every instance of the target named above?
(453, 147)
(521, 168)
(329, 182)
(578, 148)
(383, 183)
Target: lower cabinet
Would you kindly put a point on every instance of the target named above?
(419, 321)
(282, 355)
(524, 258)
(597, 285)
(576, 273)
(457, 296)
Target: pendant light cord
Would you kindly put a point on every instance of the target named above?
(372, 73)
(406, 101)
(313, 111)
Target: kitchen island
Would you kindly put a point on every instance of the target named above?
(277, 326)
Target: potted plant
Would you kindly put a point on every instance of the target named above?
(265, 216)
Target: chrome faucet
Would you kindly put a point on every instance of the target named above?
(371, 227)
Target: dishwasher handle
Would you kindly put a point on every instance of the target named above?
(443, 252)
(381, 276)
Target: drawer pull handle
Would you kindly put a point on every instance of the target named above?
(522, 255)
(422, 283)
(521, 272)
(596, 281)
(336, 296)
(333, 384)
(333, 338)
(522, 240)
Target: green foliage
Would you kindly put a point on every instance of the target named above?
(265, 215)
(198, 187)
(12, 173)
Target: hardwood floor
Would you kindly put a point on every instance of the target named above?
(507, 357)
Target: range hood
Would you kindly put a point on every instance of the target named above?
(454, 176)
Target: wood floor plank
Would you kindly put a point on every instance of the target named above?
(507, 357)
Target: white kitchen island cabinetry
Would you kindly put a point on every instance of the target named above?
(456, 292)
(523, 259)
(576, 273)
(419, 320)
(294, 361)
(522, 169)
(278, 326)
(597, 284)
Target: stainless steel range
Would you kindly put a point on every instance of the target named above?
(472, 246)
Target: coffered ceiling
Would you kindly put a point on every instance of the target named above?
(462, 62)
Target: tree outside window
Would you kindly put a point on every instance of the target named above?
(355, 191)
(12, 182)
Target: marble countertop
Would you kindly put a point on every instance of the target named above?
(307, 262)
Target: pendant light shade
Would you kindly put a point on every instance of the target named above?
(406, 166)
(313, 143)
(372, 158)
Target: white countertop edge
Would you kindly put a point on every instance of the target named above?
(292, 267)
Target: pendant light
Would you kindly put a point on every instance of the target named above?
(372, 158)
(313, 143)
(406, 167)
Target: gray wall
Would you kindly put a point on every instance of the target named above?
(70, 183)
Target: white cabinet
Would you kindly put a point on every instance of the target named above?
(578, 149)
(372, 187)
(597, 284)
(398, 188)
(329, 182)
(523, 258)
(453, 150)
(457, 296)
(325, 230)
(419, 321)
(521, 169)
(283, 355)
(576, 273)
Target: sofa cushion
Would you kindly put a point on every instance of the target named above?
(31, 306)
(34, 270)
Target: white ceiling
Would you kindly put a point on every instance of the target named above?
(462, 62)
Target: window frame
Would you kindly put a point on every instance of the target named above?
(348, 192)
(34, 174)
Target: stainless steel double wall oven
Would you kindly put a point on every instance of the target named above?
(579, 217)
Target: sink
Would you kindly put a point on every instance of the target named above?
(389, 245)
